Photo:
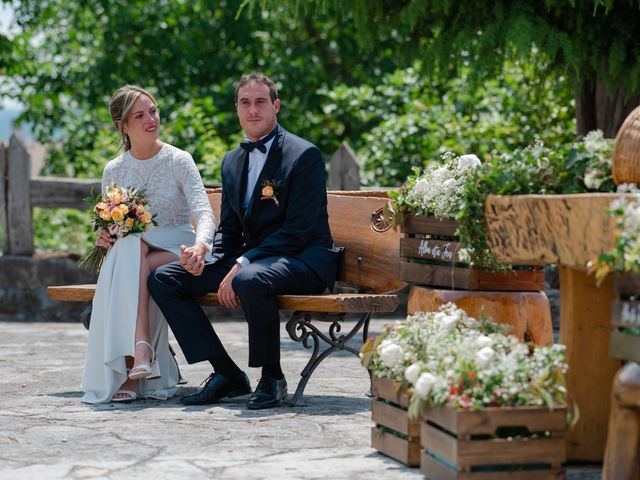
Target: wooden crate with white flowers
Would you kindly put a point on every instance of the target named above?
(394, 434)
(432, 256)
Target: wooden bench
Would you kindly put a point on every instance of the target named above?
(369, 266)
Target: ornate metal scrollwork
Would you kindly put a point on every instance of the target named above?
(301, 329)
(378, 221)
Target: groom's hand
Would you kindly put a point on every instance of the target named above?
(191, 260)
(226, 295)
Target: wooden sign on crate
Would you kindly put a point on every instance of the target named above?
(495, 443)
(394, 433)
(431, 257)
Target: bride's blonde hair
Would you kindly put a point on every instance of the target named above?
(120, 105)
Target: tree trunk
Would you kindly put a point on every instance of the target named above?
(603, 107)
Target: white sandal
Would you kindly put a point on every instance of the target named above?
(145, 370)
(129, 396)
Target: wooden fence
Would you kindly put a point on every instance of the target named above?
(20, 192)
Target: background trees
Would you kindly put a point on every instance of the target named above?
(594, 44)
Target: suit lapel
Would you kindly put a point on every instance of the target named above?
(241, 165)
(267, 173)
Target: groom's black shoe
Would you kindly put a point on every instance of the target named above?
(269, 393)
(219, 387)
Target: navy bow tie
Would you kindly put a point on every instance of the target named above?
(248, 146)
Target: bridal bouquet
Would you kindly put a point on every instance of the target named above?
(449, 358)
(121, 211)
(437, 191)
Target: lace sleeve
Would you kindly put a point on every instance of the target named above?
(191, 183)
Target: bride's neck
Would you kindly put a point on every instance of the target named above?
(145, 151)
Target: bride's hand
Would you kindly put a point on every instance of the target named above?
(104, 240)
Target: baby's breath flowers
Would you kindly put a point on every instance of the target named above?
(449, 358)
(437, 191)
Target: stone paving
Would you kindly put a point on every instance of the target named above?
(47, 433)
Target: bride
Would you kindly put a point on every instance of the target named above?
(128, 354)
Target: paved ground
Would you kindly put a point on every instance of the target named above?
(47, 433)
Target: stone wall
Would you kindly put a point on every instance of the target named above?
(23, 288)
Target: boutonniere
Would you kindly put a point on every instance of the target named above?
(270, 191)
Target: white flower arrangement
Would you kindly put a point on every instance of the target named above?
(597, 154)
(449, 358)
(438, 190)
(625, 255)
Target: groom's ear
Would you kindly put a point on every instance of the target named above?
(276, 103)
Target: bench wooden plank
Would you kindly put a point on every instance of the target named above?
(334, 303)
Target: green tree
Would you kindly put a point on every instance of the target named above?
(594, 44)
(70, 55)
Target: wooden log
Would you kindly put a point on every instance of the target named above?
(545, 229)
(51, 192)
(338, 303)
(585, 327)
(528, 313)
(19, 232)
(621, 458)
(344, 169)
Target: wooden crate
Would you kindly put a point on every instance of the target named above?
(433, 243)
(394, 433)
(625, 314)
(475, 444)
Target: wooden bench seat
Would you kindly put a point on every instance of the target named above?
(334, 303)
(369, 265)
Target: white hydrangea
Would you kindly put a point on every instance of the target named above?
(483, 341)
(425, 383)
(412, 373)
(468, 162)
(391, 354)
(484, 357)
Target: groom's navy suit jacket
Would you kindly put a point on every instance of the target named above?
(297, 226)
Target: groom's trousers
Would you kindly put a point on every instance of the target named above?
(256, 285)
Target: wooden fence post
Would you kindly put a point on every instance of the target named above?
(3, 194)
(18, 217)
(344, 169)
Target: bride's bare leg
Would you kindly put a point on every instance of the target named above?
(149, 260)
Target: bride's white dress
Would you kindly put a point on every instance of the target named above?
(175, 192)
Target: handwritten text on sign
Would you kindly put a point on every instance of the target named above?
(437, 251)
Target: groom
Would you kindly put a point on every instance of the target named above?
(273, 238)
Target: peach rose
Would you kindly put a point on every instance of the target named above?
(115, 197)
(145, 217)
(129, 222)
(105, 215)
(99, 207)
(140, 209)
(267, 191)
(116, 214)
(123, 208)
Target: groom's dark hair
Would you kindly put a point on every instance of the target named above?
(257, 77)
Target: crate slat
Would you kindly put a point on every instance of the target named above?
(394, 418)
(419, 224)
(404, 451)
(432, 468)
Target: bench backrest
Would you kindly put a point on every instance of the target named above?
(371, 260)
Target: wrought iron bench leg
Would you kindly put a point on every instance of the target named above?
(301, 329)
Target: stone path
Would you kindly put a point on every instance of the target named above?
(47, 433)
